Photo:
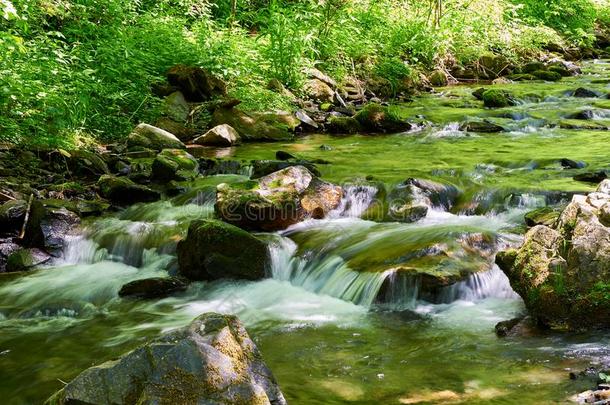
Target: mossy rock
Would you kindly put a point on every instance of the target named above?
(344, 125)
(562, 269)
(214, 250)
(563, 72)
(580, 124)
(253, 127)
(176, 107)
(124, 191)
(210, 361)
(278, 200)
(547, 76)
(481, 127)
(532, 67)
(496, 99)
(521, 77)
(542, 216)
(174, 164)
(438, 78)
(26, 259)
(376, 118)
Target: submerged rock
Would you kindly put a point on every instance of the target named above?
(214, 250)
(591, 177)
(211, 361)
(583, 125)
(277, 200)
(481, 127)
(581, 92)
(221, 135)
(124, 191)
(147, 136)
(522, 327)
(562, 272)
(158, 287)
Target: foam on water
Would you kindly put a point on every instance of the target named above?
(356, 199)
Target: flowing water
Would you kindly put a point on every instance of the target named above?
(337, 321)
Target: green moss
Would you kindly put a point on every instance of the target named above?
(496, 99)
(547, 75)
(344, 125)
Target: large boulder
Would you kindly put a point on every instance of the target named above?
(176, 107)
(214, 250)
(196, 83)
(257, 127)
(122, 190)
(211, 361)
(377, 118)
(57, 225)
(563, 271)
(319, 91)
(277, 200)
(147, 136)
(174, 164)
(220, 135)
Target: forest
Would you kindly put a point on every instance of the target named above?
(304, 202)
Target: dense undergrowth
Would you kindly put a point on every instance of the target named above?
(77, 71)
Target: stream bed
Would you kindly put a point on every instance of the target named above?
(316, 319)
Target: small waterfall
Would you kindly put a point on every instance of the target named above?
(79, 249)
(487, 284)
(356, 199)
(327, 275)
(400, 292)
(451, 130)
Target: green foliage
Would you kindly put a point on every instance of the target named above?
(285, 30)
(74, 70)
(573, 17)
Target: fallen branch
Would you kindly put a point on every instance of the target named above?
(27, 217)
(8, 197)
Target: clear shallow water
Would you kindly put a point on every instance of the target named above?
(316, 320)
